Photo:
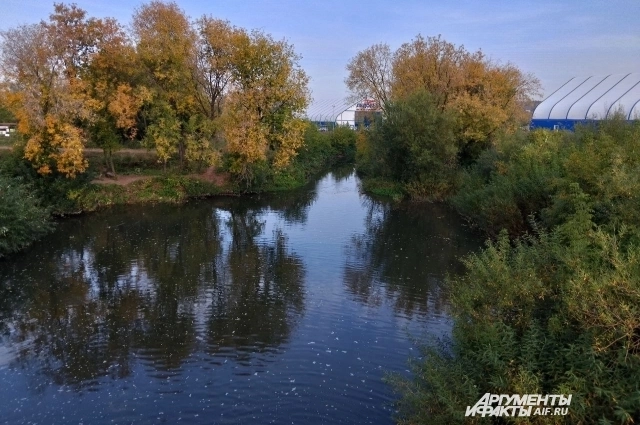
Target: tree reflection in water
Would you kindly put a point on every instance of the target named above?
(156, 286)
(404, 255)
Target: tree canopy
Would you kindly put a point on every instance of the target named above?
(486, 96)
(190, 89)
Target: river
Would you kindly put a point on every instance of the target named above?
(286, 308)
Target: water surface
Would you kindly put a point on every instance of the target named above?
(287, 308)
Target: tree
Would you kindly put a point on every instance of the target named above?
(165, 47)
(216, 46)
(415, 146)
(111, 82)
(41, 64)
(370, 74)
(430, 64)
(261, 116)
(486, 96)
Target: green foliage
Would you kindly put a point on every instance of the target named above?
(551, 314)
(6, 115)
(319, 151)
(343, 144)
(415, 146)
(165, 189)
(317, 148)
(55, 191)
(556, 312)
(22, 217)
(126, 162)
(383, 188)
(531, 173)
(511, 182)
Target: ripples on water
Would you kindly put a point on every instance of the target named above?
(271, 309)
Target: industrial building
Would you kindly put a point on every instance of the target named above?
(589, 99)
(328, 114)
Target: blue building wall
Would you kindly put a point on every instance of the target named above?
(552, 124)
(562, 124)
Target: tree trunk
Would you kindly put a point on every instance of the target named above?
(113, 168)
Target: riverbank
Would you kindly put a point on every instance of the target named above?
(148, 181)
(552, 304)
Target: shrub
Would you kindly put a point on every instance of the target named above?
(343, 144)
(319, 151)
(414, 145)
(530, 174)
(22, 218)
(557, 313)
(511, 182)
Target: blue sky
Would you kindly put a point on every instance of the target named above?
(554, 40)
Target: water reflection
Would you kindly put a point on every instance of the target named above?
(403, 256)
(156, 286)
(268, 309)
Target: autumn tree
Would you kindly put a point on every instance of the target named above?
(261, 115)
(216, 48)
(370, 74)
(41, 64)
(430, 64)
(485, 96)
(165, 44)
(112, 82)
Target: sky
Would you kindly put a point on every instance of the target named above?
(554, 40)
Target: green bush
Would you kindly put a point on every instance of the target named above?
(511, 182)
(343, 144)
(557, 313)
(22, 218)
(531, 174)
(415, 146)
(55, 191)
(319, 151)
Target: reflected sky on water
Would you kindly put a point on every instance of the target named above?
(270, 309)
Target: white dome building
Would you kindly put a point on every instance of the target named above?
(582, 100)
(340, 113)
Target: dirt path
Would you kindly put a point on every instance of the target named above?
(121, 180)
(209, 175)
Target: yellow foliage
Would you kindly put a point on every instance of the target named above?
(164, 148)
(199, 149)
(370, 74)
(214, 61)
(244, 133)
(290, 139)
(124, 106)
(362, 144)
(269, 90)
(166, 49)
(57, 146)
(485, 96)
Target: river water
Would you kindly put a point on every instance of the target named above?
(287, 308)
